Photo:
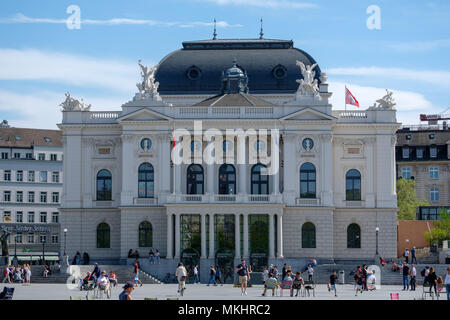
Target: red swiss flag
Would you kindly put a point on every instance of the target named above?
(350, 99)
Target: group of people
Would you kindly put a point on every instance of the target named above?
(364, 279)
(431, 279)
(19, 274)
(77, 259)
(153, 255)
(215, 275)
(99, 278)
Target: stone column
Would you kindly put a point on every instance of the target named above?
(326, 169)
(275, 142)
(177, 236)
(203, 236)
(237, 236)
(242, 174)
(128, 181)
(177, 179)
(280, 235)
(211, 236)
(169, 236)
(164, 140)
(370, 195)
(246, 253)
(210, 179)
(291, 177)
(271, 237)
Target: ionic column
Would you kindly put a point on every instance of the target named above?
(280, 235)
(237, 236)
(169, 254)
(203, 231)
(165, 163)
(177, 236)
(177, 179)
(210, 179)
(242, 186)
(211, 236)
(271, 237)
(246, 255)
(275, 142)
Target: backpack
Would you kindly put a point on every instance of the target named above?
(422, 273)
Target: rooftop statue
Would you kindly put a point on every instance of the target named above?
(387, 102)
(308, 86)
(71, 104)
(4, 243)
(148, 88)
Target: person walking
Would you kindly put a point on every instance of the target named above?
(412, 276)
(196, 278)
(432, 280)
(157, 257)
(413, 255)
(242, 271)
(359, 283)
(28, 274)
(310, 273)
(332, 283)
(151, 256)
(181, 275)
(6, 275)
(406, 255)
(136, 274)
(284, 271)
(219, 275)
(406, 273)
(265, 275)
(126, 293)
(447, 283)
(212, 276)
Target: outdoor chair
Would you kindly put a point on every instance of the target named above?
(309, 286)
(285, 285)
(75, 298)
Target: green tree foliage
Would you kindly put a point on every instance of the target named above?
(407, 200)
(441, 230)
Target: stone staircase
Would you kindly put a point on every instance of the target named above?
(124, 273)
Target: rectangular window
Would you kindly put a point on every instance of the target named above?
(19, 175)
(41, 156)
(6, 216)
(55, 217)
(42, 238)
(43, 176)
(30, 176)
(434, 194)
(29, 156)
(55, 197)
(4, 155)
(55, 239)
(419, 153)
(31, 196)
(43, 217)
(19, 216)
(19, 196)
(18, 237)
(43, 197)
(31, 217)
(7, 196)
(405, 153)
(7, 175)
(55, 177)
(53, 157)
(31, 238)
(434, 173)
(433, 152)
(406, 173)
(16, 155)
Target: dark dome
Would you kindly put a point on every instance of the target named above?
(197, 68)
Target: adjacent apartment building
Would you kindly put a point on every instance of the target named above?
(30, 191)
(423, 154)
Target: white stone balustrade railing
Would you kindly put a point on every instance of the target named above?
(307, 202)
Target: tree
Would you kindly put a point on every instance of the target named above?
(407, 200)
(441, 230)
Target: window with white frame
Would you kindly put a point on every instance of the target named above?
(434, 194)
(30, 176)
(433, 152)
(31, 217)
(19, 216)
(43, 217)
(7, 175)
(31, 238)
(406, 173)
(53, 157)
(41, 156)
(18, 237)
(43, 176)
(55, 177)
(43, 197)
(55, 239)
(55, 197)
(31, 196)
(19, 196)
(434, 173)
(405, 153)
(42, 238)
(4, 155)
(6, 196)
(419, 153)
(55, 217)
(19, 176)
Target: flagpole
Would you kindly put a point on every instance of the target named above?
(345, 97)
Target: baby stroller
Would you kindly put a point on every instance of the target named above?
(86, 285)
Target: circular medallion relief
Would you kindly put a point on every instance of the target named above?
(146, 144)
(307, 144)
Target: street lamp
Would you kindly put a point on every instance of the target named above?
(15, 248)
(376, 232)
(65, 235)
(43, 249)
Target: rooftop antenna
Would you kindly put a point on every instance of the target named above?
(215, 33)
(261, 33)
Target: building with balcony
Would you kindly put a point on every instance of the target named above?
(423, 154)
(318, 185)
(31, 179)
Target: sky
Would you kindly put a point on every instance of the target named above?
(369, 46)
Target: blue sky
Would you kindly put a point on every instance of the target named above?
(41, 59)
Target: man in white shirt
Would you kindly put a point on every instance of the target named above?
(447, 283)
(412, 276)
(310, 273)
(406, 254)
(103, 283)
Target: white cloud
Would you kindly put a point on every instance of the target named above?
(21, 18)
(409, 104)
(31, 64)
(441, 78)
(271, 4)
(419, 46)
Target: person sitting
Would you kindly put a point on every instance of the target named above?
(395, 267)
(130, 253)
(18, 276)
(297, 283)
(382, 261)
(85, 280)
(103, 283)
(270, 283)
(371, 281)
(112, 278)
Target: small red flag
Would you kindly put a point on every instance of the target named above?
(350, 98)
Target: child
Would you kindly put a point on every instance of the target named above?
(359, 284)
(440, 285)
(332, 283)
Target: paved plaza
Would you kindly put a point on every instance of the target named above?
(202, 292)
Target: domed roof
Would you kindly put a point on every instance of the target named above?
(198, 67)
(234, 71)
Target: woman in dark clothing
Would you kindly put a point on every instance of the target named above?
(432, 280)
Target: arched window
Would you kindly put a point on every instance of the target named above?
(227, 179)
(353, 185)
(260, 183)
(146, 181)
(195, 179)
(308, 235)
(104, 185)
(145, 234)
(353, 236)
(103, 235)
(307, 180)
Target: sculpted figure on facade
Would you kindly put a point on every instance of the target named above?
(71, 104)
(148, 87)
(308, 86)
(387, 102)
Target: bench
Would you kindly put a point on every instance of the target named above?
(426, 291)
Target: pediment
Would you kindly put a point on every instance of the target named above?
(144, 114)
(308, 114)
